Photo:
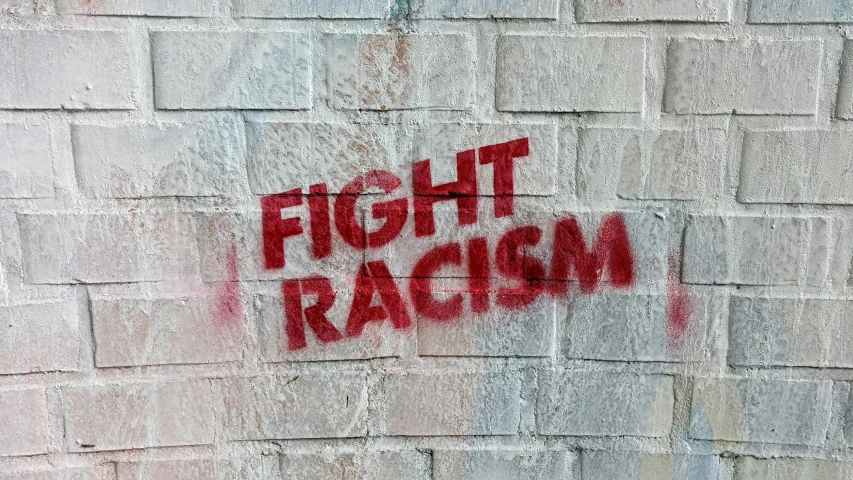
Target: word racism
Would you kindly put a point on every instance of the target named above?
(528, 277)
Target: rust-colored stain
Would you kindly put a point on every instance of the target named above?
(91, 7)
(387, 65)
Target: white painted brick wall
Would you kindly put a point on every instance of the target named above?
(145, 336)
(519, 464)
(772, 411)
(57, 474)
(569, 74)
(796, 167)
(67, 69)
(600, 465)
(791, 468)
(672, 10)
(753, 77)
(312, 9)
(297, 406)
(24, 422)
(792, 11)
(173, 160)
(378, 465)
(451, 9)
(26, 162)
(147, 8)
(238, 70)
(141, 415)
(604, 404)
(388, 72)
(40, 337)
(650, 165)
(420, 404)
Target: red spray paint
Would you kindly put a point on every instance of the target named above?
(377, 296)
(229, 303)
(679, 305)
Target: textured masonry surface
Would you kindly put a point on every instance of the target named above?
(144, 334)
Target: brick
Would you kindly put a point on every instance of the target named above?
(652, 11)
(24, 422)
(447, 403)
(170, 469)
(58, 474)
(297, 406)
(104, 248)
(398, 72)
(797, 11)
(572, 402)
(545, 9)
(241, 70)
(16, 7)
(263, 467)
(650, 164)
(753, 77)
(378, 340)
(166, 160)
(284, 156)
(755, 410)
(26, 162)
(602, 465)
(527, 332)
(634, 328)
(756, 250)
(95, 70)
(790, 332)
(494, 464)
(844, 101)
(240, 234)
(796, 167)
(163, 331)
(144, 8)
(533, 175)
(313, 9)
(39, 337)
(569, 74)
(747, 468)
(368, 465)
(651, 235)
(140, 415)
(848, 422)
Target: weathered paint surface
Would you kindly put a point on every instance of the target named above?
(426, 239)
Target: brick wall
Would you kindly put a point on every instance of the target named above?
(593, 239)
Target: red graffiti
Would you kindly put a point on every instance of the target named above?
(463, 191)
(501, 156)
(523, 277)
(314, 315)
(679, 306)
(276, 229)
(373, 278)
(514, 264)
(321, 233)
(421, 290)
(479, 274)
(229, 310)
(394, 212)
(611, 249)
